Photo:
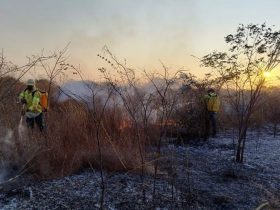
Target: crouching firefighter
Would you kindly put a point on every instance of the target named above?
(212, 105)
(32, 108)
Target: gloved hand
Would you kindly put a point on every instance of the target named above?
(23, 112)
(23, 101)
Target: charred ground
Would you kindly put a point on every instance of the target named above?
(200, 175)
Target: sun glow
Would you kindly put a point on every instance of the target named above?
(272, 78)
(267, 74)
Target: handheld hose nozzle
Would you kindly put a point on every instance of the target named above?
(23, 110)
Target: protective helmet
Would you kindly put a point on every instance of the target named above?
(30, 82)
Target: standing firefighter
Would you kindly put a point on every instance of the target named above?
(32, 108)
(212, 105)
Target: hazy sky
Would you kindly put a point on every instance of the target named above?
(144, 32)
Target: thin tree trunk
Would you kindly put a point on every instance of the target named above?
(243, 143)
(156, 162)
(238, 151)
(101, 168)
(274, 130)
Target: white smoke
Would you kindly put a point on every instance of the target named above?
(21, 129)
(84, 91)
(7, 146)
(9, 149)
(2, 175)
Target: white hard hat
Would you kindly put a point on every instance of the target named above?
(30, 82)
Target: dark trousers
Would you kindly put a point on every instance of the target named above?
(39, 120)
(211, 121)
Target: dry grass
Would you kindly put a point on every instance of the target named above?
(69, 142)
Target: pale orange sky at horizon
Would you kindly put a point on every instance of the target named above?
(144, 33)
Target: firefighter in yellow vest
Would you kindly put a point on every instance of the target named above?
(212, 105)
(32, 109)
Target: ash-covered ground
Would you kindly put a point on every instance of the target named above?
(201, 175)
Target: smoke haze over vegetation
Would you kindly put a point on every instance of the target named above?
(170, 104)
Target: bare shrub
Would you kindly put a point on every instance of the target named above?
(253, 51)
(191, 114)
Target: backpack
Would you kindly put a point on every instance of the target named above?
(213, 104)
(43, 99)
